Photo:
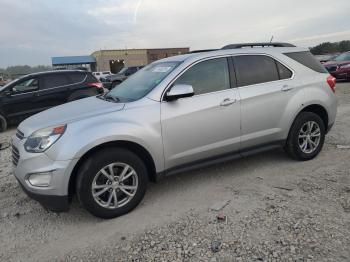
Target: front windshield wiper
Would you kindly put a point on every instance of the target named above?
(112, 98)
(109, 98)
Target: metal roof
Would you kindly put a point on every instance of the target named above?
(73, 60)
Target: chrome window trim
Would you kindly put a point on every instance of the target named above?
(274, 81)
(52, 87)
(227, 56)
(189, 67)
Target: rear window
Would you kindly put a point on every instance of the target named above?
(255, 69)
(283, 71)
(307, 59)
(77, 77)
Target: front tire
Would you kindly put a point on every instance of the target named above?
(112, 182)
(306, 136)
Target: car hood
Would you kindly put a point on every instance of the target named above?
(67, 113)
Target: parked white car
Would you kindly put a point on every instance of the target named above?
(101, 74)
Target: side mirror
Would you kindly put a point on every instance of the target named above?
(179, 91)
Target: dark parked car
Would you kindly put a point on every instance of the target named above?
(111, 81)
(340, 66)
(33, 93)
(325, 58)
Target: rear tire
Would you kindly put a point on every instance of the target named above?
(3, 123)
(103, 172)
(306, 137)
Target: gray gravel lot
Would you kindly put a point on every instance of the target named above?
(277, 210)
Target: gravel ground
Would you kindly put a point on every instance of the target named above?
(270, 208)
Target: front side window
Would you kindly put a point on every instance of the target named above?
(255, 69)
(143, 81)
(26, 86)
(207, 76)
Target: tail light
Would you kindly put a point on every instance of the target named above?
(95, 84)
(331, 82)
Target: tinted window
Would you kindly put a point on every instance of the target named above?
(308, 60)
(343, 57)
(208, 76)
(76, 77)
(255, 69)
(26, 86)
(283, 72)
(54, 80)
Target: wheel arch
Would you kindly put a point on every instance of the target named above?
(318, 110)
(131, 146)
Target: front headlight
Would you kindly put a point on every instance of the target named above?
(42, 139)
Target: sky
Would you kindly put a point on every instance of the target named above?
(32, 31)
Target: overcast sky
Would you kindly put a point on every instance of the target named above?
(32, 31)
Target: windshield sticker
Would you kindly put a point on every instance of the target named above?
(161, 69)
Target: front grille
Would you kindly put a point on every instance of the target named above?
(19, 134)
(15, 155)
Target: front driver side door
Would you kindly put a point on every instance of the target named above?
(207, 124)
(21, 101)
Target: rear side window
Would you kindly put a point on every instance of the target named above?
(54, 80)
(207, 76)
(77, 77)
(90, 78)
(307, 59)
(255, 69)
(283, 72)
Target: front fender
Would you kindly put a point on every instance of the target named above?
(82, 136)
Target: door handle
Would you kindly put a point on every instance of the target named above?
(227, 102)
(286, 88)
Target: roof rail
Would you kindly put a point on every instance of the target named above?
(272, 44)
(201, 51)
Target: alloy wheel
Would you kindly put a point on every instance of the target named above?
(114, 185)
(309, 137)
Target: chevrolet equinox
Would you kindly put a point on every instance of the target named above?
(175, 114)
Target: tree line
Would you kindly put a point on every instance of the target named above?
(328, 47)
(16, 71)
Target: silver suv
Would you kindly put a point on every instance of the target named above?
(175, 114)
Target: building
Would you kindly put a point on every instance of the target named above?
(74, 62)
(114, 60)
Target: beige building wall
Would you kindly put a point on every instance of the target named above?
(133, 57)
(156, 54)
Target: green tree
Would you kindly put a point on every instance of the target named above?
(328, 47)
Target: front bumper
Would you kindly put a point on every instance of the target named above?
(50, 202)
(54, 196)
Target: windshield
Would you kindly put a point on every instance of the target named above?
(142, 82)
(122, 70)
(343, 57)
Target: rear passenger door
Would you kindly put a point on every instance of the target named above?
(265, 86)
(53, 90)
